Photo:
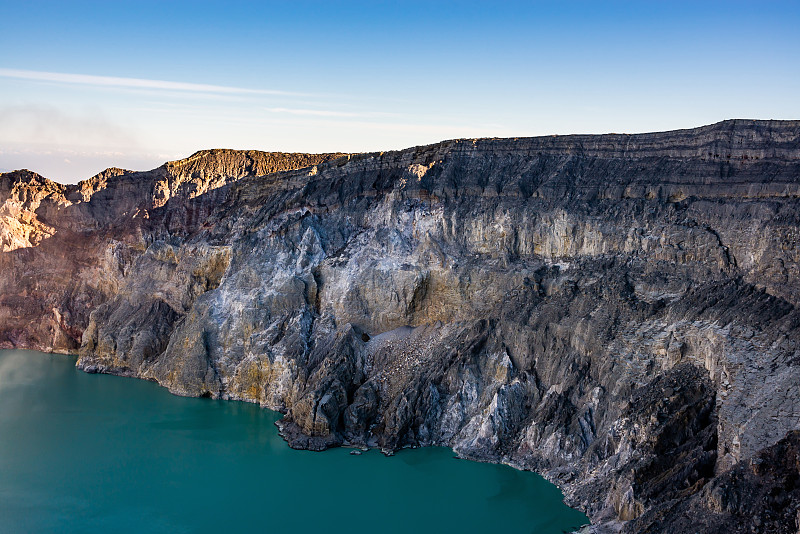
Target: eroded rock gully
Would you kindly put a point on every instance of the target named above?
(616, 312)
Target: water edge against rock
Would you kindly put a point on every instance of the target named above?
(83, 453)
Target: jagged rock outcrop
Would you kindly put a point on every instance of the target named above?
(66, 249)
(617, 312)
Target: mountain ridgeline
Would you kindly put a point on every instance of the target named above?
(617, 312)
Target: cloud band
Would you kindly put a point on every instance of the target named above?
(132, 83)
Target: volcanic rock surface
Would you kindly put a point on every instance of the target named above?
(616, 312)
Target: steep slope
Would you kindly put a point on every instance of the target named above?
(64, 249)
(617, 312)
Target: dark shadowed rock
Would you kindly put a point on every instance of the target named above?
(616, 312)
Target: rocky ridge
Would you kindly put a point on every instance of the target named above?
(617, 312)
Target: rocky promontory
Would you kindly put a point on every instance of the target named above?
(617, 312)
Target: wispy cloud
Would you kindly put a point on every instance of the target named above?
(134, 83)
(331, 113)
(313, 112)
(45, 125)
(70, 164)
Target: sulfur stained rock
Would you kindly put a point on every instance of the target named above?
(617, 312)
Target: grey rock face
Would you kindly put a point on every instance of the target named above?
(617, 312)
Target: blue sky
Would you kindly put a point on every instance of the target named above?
(87, 85)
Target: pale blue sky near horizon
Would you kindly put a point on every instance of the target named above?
(88, 85)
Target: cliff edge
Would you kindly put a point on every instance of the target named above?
(617, 312)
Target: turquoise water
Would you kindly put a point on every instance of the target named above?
(96, 453)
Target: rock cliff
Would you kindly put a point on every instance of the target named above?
(617, 312)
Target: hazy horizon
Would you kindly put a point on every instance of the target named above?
(142, 163)
(89, 85)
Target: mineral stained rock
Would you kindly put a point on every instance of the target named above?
(616, 312)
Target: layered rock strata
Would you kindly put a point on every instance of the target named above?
(616, 312)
